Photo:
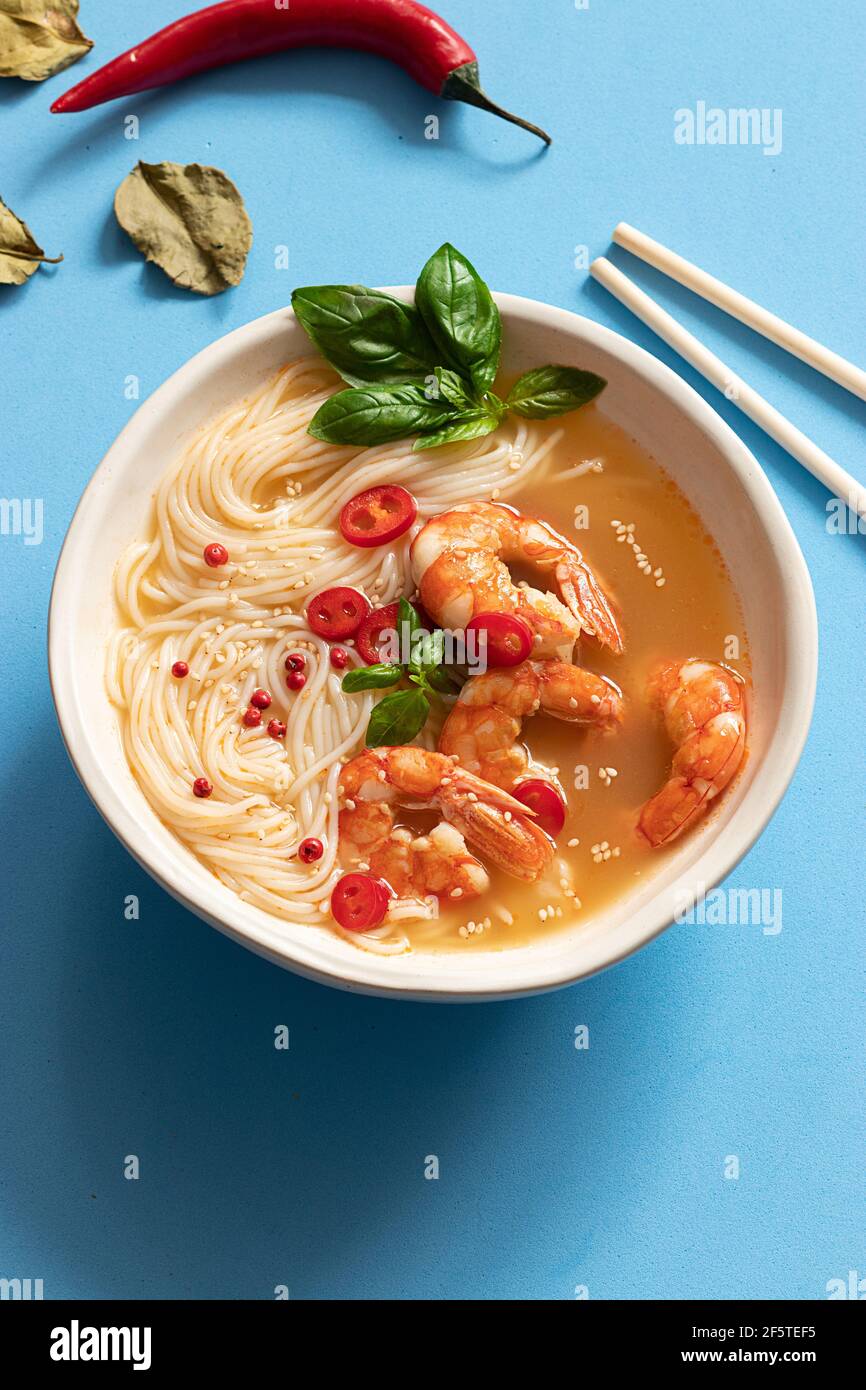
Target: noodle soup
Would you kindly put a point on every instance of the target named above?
(203, 642)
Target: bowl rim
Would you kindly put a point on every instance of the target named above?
(373, 974)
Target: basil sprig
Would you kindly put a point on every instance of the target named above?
(400, 717)
(425, 369)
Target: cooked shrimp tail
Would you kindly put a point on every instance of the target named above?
(703, 707)
(484, 727)
(495, 824)
(587, 600)
(460, 563)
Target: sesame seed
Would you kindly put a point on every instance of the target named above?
(573, 843)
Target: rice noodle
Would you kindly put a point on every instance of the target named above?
(257, 482)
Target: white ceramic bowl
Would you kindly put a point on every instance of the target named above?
(707, 460)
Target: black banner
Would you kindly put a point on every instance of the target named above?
(66, 1338)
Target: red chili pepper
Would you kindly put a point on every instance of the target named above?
(337, 613)
(359, 901)
(507, 639)
(369, 635)
(542, 798)
(378, 516)
(407, 33)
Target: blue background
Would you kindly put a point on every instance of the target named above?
(558, 1167)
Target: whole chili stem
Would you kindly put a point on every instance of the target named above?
(401, 30)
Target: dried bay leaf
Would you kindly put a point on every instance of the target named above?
(20, 255)
(39, 38)
(190, 220)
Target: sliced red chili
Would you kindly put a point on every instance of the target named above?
(507, 639)
(360, 901)
(378, 516)
(370, 634)
(542, 798)
(337, 613)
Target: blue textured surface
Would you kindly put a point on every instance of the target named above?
(559, 1167)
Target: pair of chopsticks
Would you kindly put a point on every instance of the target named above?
(798, 445)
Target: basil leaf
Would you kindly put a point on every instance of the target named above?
(442, 681)
(459, 311)
(548, 391)
(459, 430)
(377, 677)
(452, 387)
(368, 337)
(190, 220)
(398, 718)
(20, 256)
(428, 649)
(376, 415)
(39, 38)
(407, 613)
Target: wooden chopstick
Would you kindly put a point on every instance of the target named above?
(809, 350)
(798, 445)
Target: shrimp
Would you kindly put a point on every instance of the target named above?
(459, 564)
(484, 726)
(494, 823)
(703, 707)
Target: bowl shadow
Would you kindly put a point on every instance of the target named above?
(153, 1036)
